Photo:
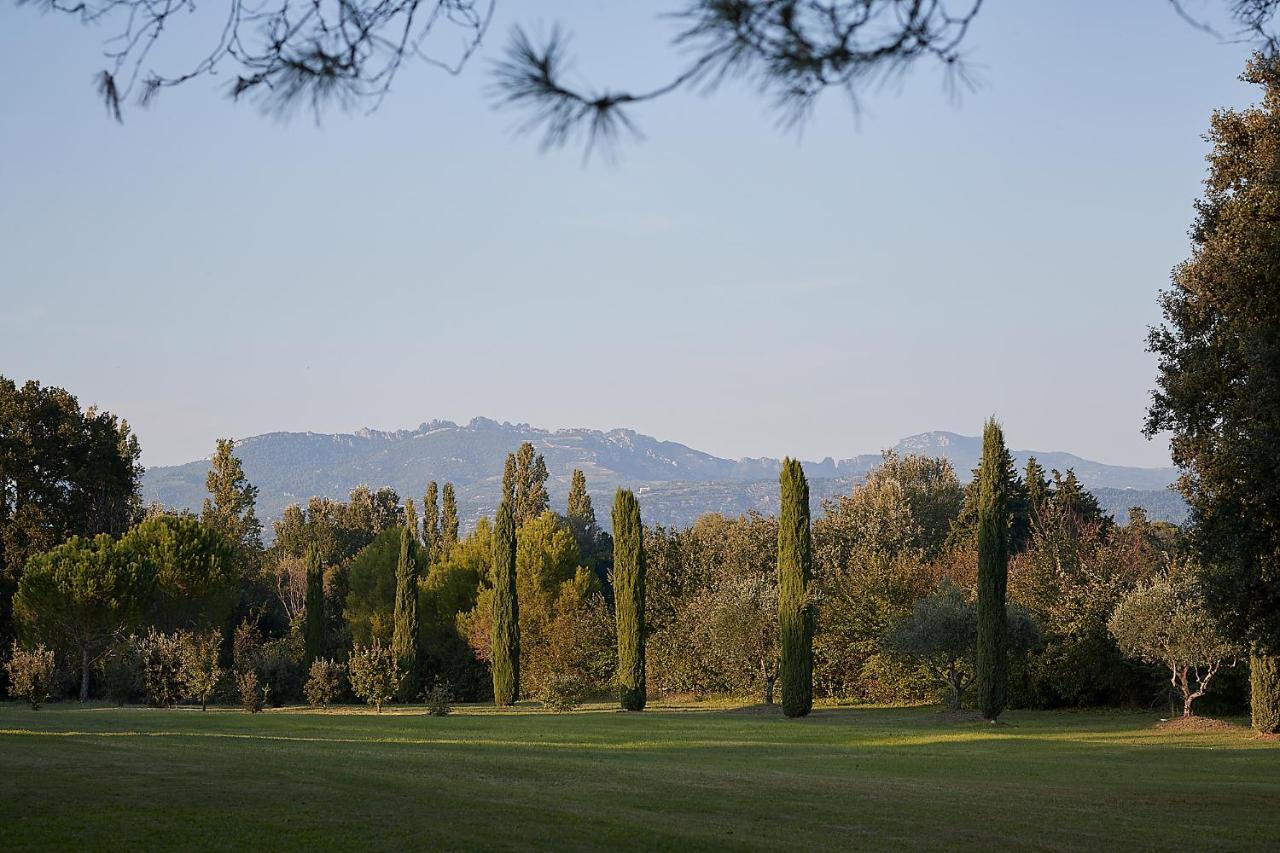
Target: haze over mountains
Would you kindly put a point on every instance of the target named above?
(675, 483)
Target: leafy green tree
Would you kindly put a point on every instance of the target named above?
(201, 671)
(193, 570)
(525, 478)
(1166, 621)
(628, 587)
(229, 509)
(369, 606)
(411, 518)
(505, 648)
(373, 674)
(993, 572)
(448, 518)
(80, 595)
(1216, 391)
(431, 522)
(795, 602)
(580, 512)
(595, 546)
(31, 673)
(405, 636)
(324, 682)
(315, 624)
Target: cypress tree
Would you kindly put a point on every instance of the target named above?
(506, 610)
(431, 522)
(1264, 690)
(795, 608)
(628, 590)
(314, 624)
(411, 518)
(448, 520)
(993, 572)
(404, 637)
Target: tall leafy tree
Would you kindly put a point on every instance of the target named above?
(404, 639)
(992, 657)
(795, 603)
(448, 518)
(431, 521)
(629, 588)
(229, 509)
(1217, 390)
(314, 628)
(524, 483)
(411, 518)
(505, 646)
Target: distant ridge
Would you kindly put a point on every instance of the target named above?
(675, 483)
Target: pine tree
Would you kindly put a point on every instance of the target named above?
(431, 523)
(580, 512)
(993, 572)
(448, 520)
(229, 508)
(628, 590)
(404, 638)
(524, 484)
(314, 616)
(795, 607)
(1037, 485)
(505, 647)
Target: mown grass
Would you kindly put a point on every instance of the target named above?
(98, 778)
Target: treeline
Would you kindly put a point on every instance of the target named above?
(383, 598)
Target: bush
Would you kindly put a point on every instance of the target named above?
(253, 695)
(159, 658)
(373, 673)
(438, 699)
(246, 655)
(200, 670)
(562, 693)
(121, 677)
(280, 668)
(324, 682)
(31, 674)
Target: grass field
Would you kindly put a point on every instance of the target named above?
(667, 778)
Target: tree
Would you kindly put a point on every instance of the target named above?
(1166, 621)
(431, 521)
(579, 511)
(595, 546)
(993, 572)
(192, 568)
(404, 640)
(298, 54)
(448, 518)
(505, 648)
(369, 604)
(795, 602)
(31, 674)
(201, 671)
(1216, 391)
(373, 674)
(324, 682)
(314, 628)
(82, 594)
(525, 478)
(628, 590)
(229, 509)
(411, 518)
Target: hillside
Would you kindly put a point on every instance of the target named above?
(675, 483)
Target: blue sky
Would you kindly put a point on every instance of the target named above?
(205, 271)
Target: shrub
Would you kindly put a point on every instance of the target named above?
(31, 674)
(159, 658)
(438, 698)
(562, 693)
(200, 670)
(246, 655)
(121, 677)
(253, 695)
(280, 669)
(324, 682)
(373, 673)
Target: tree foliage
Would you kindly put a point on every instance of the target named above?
(629, 589)
(31, 673)
(373, 673)
(315, 621)
(229, 509)
(505, 646)
(994, 475)
(405, 635)
(795, 599)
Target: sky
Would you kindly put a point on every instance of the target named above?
(919, 264)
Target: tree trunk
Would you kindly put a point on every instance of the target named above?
(84, 673)
(768, 689)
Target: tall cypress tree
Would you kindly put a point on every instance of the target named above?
(795, 607)
(628, 590)
(404, 637)
(314, 624)
(431, 522)
(411, 518)
(993, 571)
(448, 519)
(505, 647)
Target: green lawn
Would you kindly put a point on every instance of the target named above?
(667, 778)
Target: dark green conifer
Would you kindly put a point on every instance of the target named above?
(314, 618)
(431, 522)
(628, 590)
(448, 520)
(505, 646)
(795, 606)
(404, 637)
(993, 572)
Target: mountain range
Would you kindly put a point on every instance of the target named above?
(675, 483)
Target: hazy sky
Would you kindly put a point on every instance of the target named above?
(204, 271)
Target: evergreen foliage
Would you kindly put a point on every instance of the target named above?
(314, 629)
(795, 605)
(448, 519)
(629, 597)
(1264, 690)
(505, 646)
(229, 509)
(524, 484)
(431, 522)
(405, 640)
(992, 658)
